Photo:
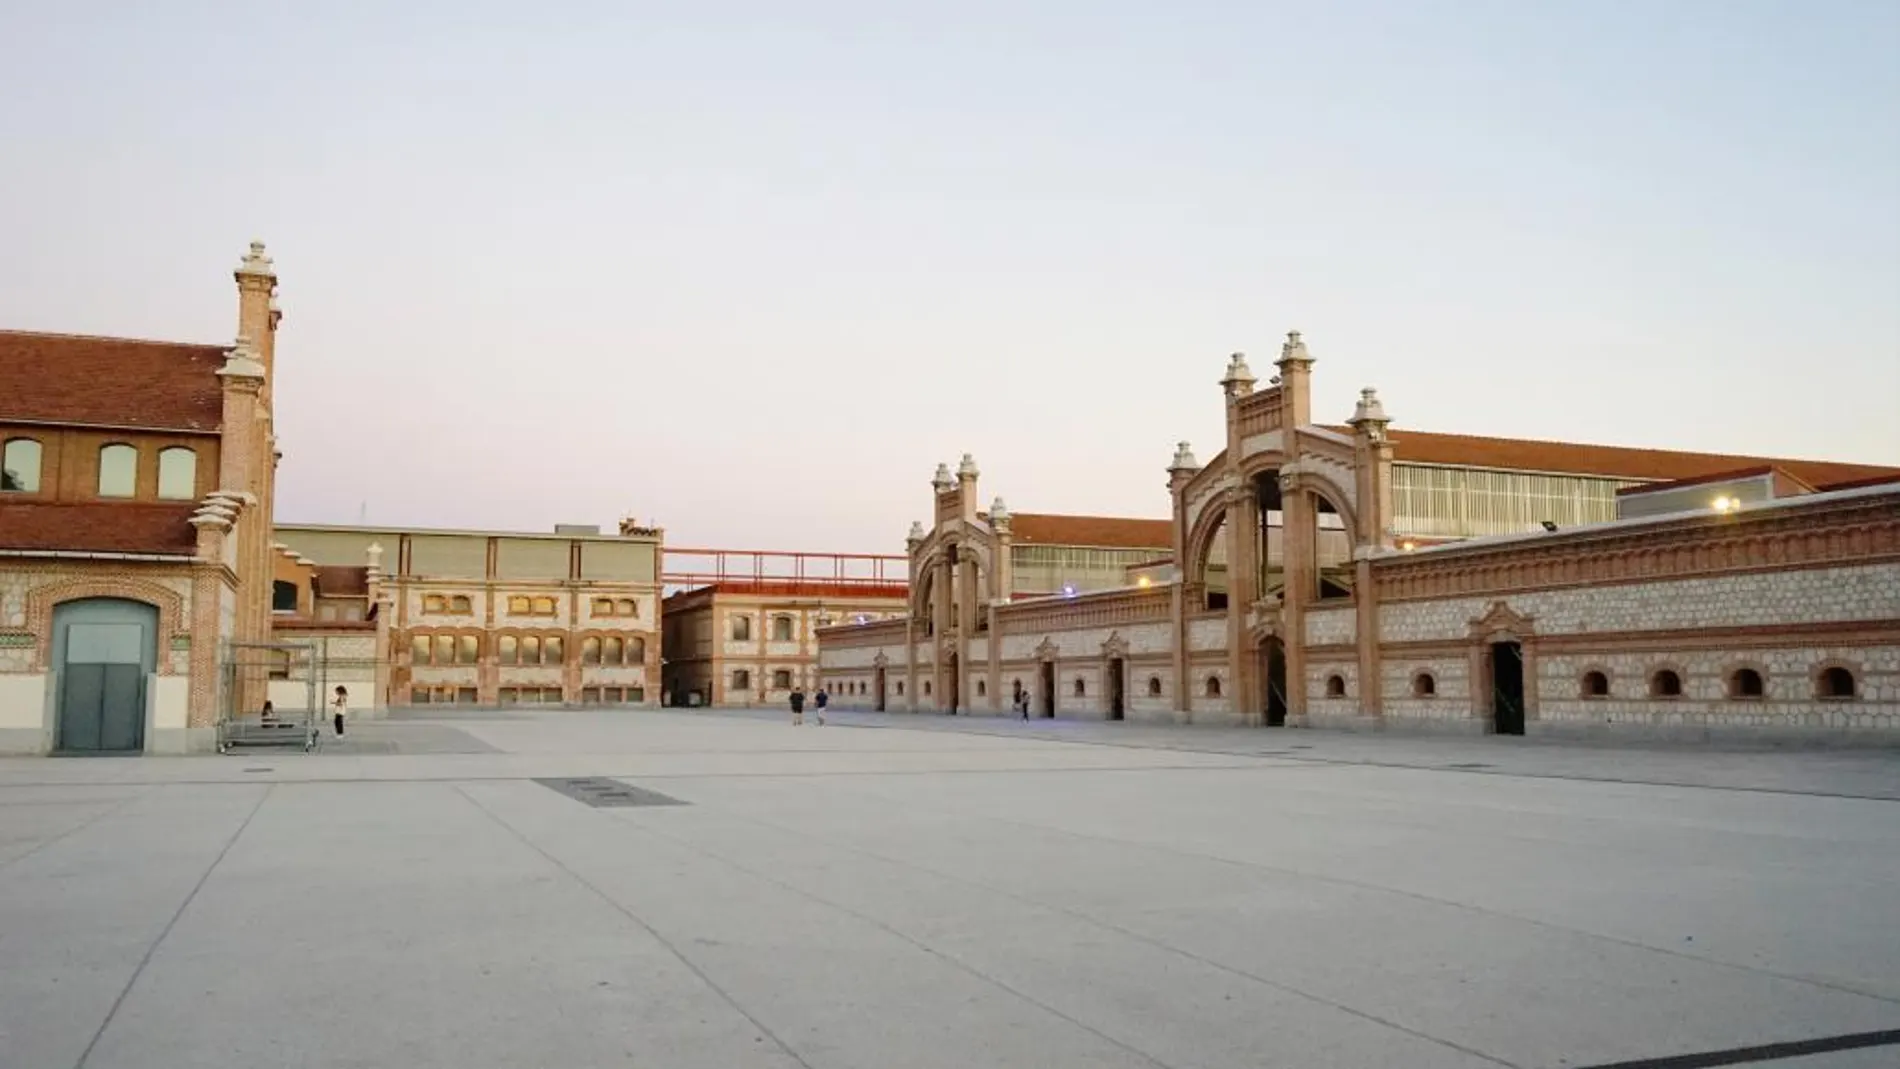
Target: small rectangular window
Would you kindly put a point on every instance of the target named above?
(507, 695)
(628, 607)
(520, 605)
(435, 603)
(419, 695)
(177, 474)
(118, 471)
(460, 603)
(467, 696)
(551, 695)
(603, 606)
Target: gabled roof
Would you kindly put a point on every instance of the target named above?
(1612, 461)
(110, 382)
(99, 527)
(1097, 532)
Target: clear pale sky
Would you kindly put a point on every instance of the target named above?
(751, 269)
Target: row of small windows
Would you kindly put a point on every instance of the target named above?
(742, 679)
(784, 629)
(528, 605)
(526, 695)
(118, 470)
(1832, 682)
(611, 650)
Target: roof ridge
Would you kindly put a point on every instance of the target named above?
(15, 332)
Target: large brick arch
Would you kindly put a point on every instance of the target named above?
(42, 600)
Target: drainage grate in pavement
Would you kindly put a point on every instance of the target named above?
(607, 793)
(1471, 765)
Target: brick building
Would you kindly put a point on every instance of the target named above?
(747, 635)
(134, 530)
(1360, 576)
(491, 617)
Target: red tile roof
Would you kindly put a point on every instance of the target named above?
(338, 580)
(1099, 532)
(99, 527)
(1615, 461)
(110, 382)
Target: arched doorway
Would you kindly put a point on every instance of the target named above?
(1047, 679)
(104, 649)
(1117, 689)
(1273, 675)
(953, 685)
(880, 688)
(1507, 688)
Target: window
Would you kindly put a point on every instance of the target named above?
(590, 650)
(460, 603)
(900, 688)
(636, 651)
(20, 466)
(280, 664)
(781, 680)
(507, 649)
(613, 650)
(468, 649)
(508, 695)
(1665, 684)
(283, 596)
(177, 473)
(1596, 684)
(1335, 686)
(1424, 686)
(742, 629)
(741, 680)
(781, 629)
(926, 688)
(1834, 682)
(435, 603)
(1745, 683)
(419, 649)
(467, 695)
(980, 688)
(520, 606)
(118, 470)
(603, 606)
(1081, 688)
(551, 650)
(530, 649)
(1212, 689)
(544, 606)
(1154, 686)
(626, 607)
(444, 649)
(418, 695)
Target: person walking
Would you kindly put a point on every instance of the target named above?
(798, 706)
(341, 706)
(818, 702)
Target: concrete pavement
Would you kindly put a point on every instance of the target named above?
(890, 892)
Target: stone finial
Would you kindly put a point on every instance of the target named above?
(256, 263)
(1184, 459)
(967, 469)
(999, 513)
(1294, 351)
(242, 362)
(916, 531)
(942, 480)
(1239, 379)
(375, 554)
(306, 561)
(1368, 417)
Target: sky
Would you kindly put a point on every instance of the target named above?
(750, 270)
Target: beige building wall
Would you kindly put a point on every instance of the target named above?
(735, 647)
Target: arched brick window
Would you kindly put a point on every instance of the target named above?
(1213, 687)
(1154, 686)
(1335, 686)
(1836, 683)
(1665, 683)
(1595, 684)
(1424, 685)
(1746, 683)
(1081, 688)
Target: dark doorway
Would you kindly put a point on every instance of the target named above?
(1117, 689)
(953, 687)
(880, 690)
(1048, 694)
(105, 648)
(1507, 687)
(1273, 653)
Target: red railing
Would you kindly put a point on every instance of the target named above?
(775, 571)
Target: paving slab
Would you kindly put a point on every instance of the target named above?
(715, 889)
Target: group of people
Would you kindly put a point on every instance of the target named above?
(818, 702)
(339, 707)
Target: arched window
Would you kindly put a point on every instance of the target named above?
(20, 466)
(1836, 683)
(636, 650)
(530, 649)
(1212, 689)
(626, 607)
(461, 603)
(603, 606)
(1081, 688)
(508, 649)
(900, 688)
(444, 649)
(590, 650)
(1746, 683)
(468, 649)
(552, 650)
(741, 679)
(435, 603)
(742, 629)
(1154, 686)
(177, 473)
(118, 470)
(419, 647)
(1424, 686)
(782, 680)
(1335, 686)
(1665, 683)
(544, 606)
(781, 629)
(981, 689)
(613, 650)
(283, 596)
(1596, 684)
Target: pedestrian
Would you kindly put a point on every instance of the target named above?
(798, 706)
(819, 701)
(342, 706)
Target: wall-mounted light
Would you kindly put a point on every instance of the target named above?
(1408, 545)
(1068, 590)
(1144, 582)
(1725, 504)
